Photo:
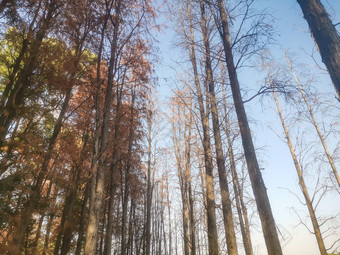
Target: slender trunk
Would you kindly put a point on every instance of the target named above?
(113, 173)
(109, 229)
(241, 209)
(99, 167)
(185, 215)
(41, 220)
(169, 215)
(82, 222)
(125, 201)
(100, 248)
(329, 157)
(192, 221)
(47, 235)
(210, 193)
(130, 230)
(225, 196)
(260, 192)
(299, 172)
(326, 37)
(149, 188)
(67, 225)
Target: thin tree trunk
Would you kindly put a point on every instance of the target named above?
(302, 183)
(98, 177)
(125, 201)
(241, 209)
(113, 172)
(210, 194)
(192, 221)
(169, 215)
(41, 220)
(225, 196)
(260, 192)
(185, 217)
(126, 195)
(149, 188)
(47, 235)
(330, 159)
(100, 248)
(109, 229)
(326, 37)
(82, 222)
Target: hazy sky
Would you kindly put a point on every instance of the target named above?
(279, 173)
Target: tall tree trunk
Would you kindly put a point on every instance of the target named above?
(47, 235)
(326, 37)
(113, 173)
(260, 192)
(315, 124)
(241, 209)
(41, 220)
(148, 188)
(109, 229)
(302, 183)
(185, 216)
(82, 222)
(192, 221)
(126, 195)
(102, 140)
(225, 196)
(125, 201)
(210, 193)
(169, 215)
(67, 222)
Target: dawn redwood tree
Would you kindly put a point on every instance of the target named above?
(238, 191)
(72, 64)
(102, 137)
(299, 171)
(204, 117)
(225, 194)
(259, 189)
(325, 36)
(182, 125)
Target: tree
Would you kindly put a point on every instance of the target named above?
(316, 126)
(326, 37)
(259, 189)
(299, 171)
(225, 195)
(204, 117)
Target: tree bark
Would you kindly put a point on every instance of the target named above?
(260, 192)
(241, 209)
(99, 167)
(148, 188)
(326, 37)
(225, 195)
(169, 214)
(209, 179)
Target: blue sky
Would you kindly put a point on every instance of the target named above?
(279, 173)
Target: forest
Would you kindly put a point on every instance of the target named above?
(106, 148)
